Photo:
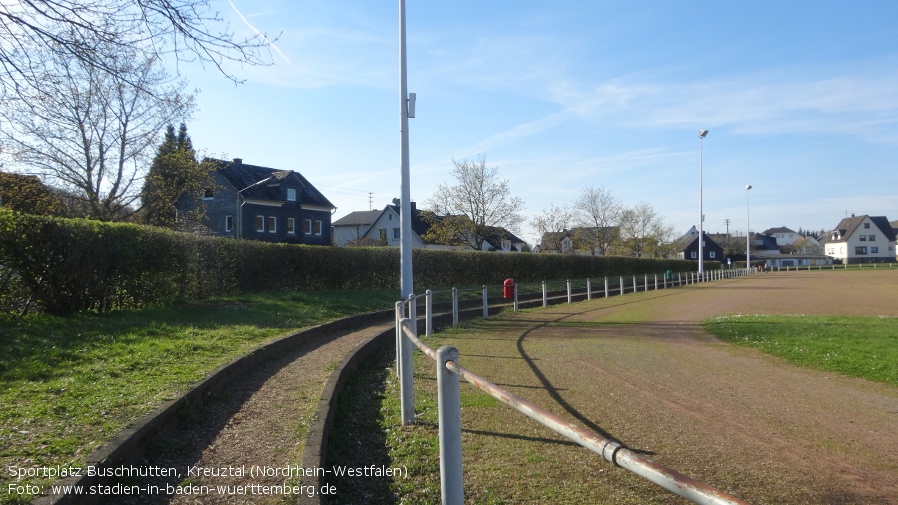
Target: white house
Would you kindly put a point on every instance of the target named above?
(783, 235)
(862, 239)
(382, 227)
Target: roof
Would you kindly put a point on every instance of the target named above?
(781, 229)
(419, 226)
(250, 180)
(849, 225)
(358, 218)
(686, 241)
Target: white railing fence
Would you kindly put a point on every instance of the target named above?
(449, 372)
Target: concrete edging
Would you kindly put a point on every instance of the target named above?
(127, 447)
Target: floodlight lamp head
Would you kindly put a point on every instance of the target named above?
(702, 134)
(747, 187)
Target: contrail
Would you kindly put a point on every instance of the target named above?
(253, 28)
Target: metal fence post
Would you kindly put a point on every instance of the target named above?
(400, 315)
(406, 372)
(569, 291)
(606, 287)
(449, 412)
(635, 285)
(545, 295)
(428, 307)
(454, 307)
(413, 312)
(656, 282)
(588, 289)
(645, 286)
(620, 291)
(515, 297)
(486, 307)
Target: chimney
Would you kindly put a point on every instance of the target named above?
(413, 206)
(238, 161)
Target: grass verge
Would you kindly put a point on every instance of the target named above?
(865, 347)
(69, 384)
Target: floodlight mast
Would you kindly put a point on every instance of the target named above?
(405, 210)
(701, 214)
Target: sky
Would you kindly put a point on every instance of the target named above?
(800, 99)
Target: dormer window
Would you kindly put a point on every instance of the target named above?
(208, 193)
(291, 195)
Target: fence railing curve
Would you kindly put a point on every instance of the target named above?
(449, 419)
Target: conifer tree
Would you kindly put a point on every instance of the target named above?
(174, 172)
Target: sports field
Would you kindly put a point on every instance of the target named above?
(641, 369)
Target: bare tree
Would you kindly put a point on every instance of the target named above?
(476, 207)
(92, 131)
(86, 31)
(598, 212)
(552, 226)
(643, 233)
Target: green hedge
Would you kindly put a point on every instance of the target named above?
(62, 266)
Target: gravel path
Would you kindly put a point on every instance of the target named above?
(261, 420)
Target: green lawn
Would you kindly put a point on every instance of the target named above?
(865, 347)
(69, 384)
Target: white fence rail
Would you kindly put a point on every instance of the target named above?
(449, 372)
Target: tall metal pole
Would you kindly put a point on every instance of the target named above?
(405, 218)
(701, 212)
(747, 229)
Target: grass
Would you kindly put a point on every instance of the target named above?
(865, 347)
(69, 384)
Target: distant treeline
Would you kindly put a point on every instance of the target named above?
(62, 266)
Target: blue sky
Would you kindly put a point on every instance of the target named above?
(800, 97)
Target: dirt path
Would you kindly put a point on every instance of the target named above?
(640, 369)
(261, 420)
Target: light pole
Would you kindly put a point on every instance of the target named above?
(405, 218)
(701, 213)
(747, 229)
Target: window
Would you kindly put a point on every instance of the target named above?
(291, 195)
(208, 193)
(260, 223)
(272, 224)
(694, 255)
(291, 226)
(863, 238)
(229, 223)
(874, 250)
(317, 227)
(307, 226)
(871, 238)
(712, 254)
(396, 233)
(866, 226)
(860, 250)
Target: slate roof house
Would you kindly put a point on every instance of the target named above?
(862, 239)
(371, 224)
(687, 248)
(261, 203)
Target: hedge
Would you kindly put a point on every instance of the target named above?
(61, 266)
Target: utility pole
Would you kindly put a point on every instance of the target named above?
(727, 221)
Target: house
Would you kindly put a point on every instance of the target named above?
(861, 239)
(783, 236)
(382, 227)
(687, 248)
(352, 227)
(260, 203)
(579, 239)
